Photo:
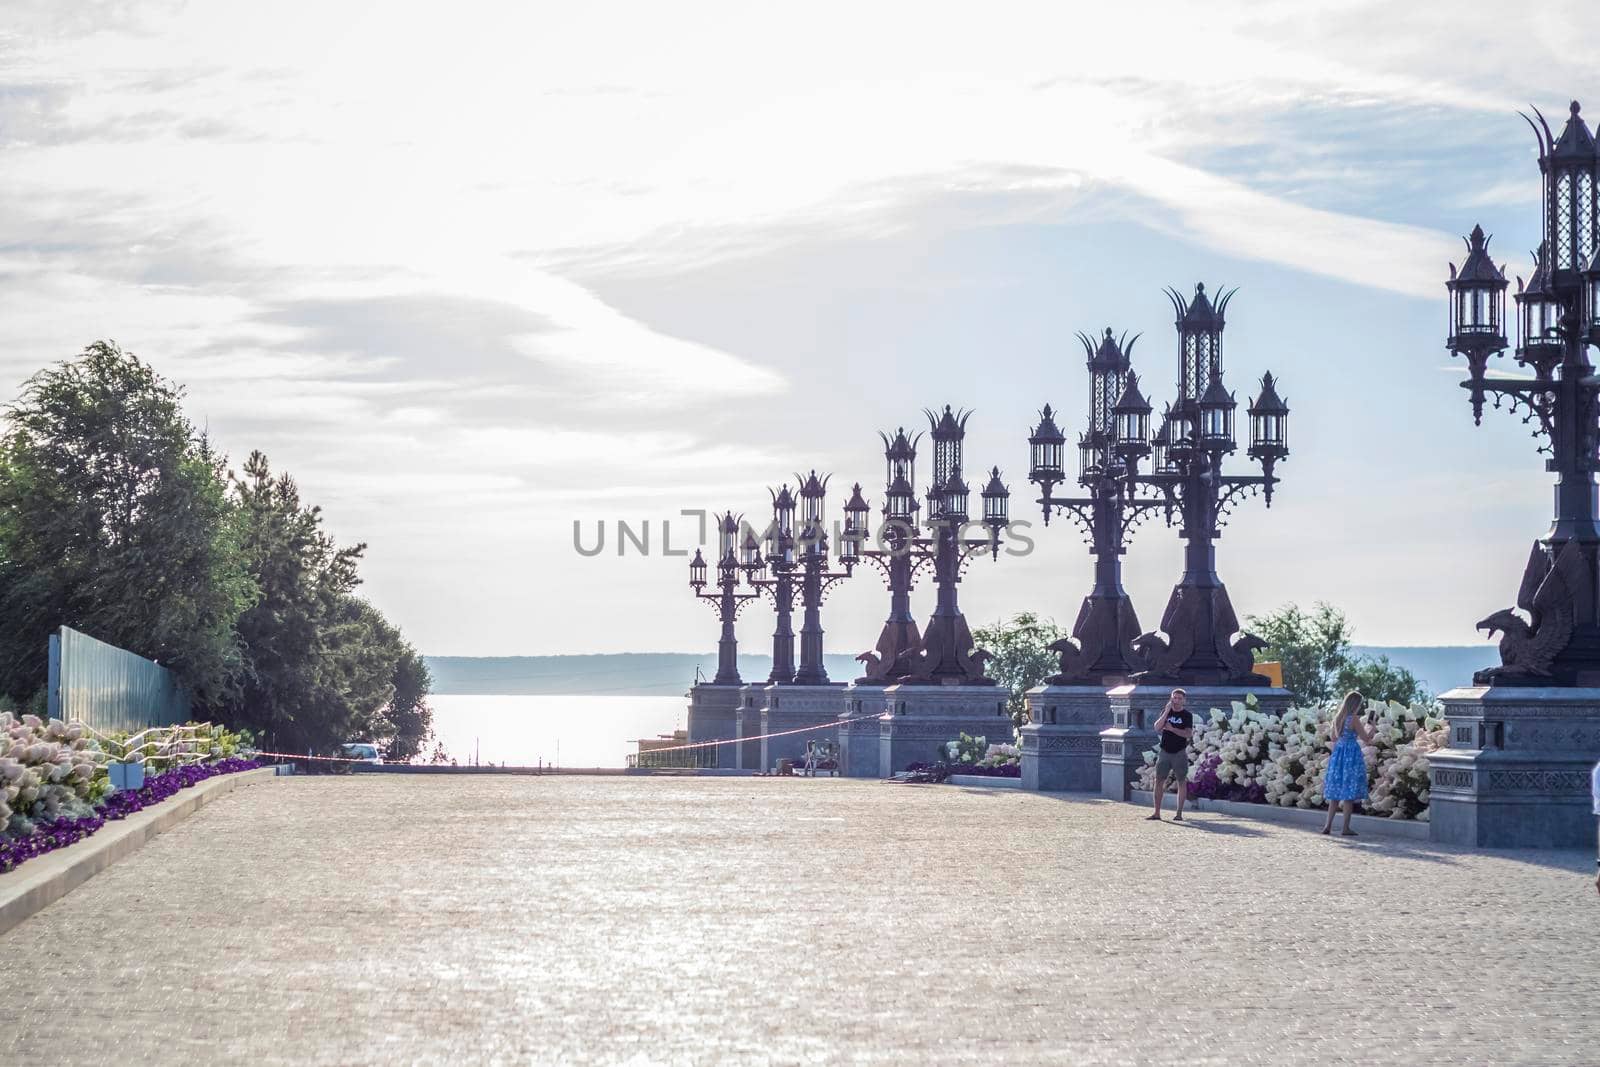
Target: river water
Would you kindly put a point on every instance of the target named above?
(579, 731)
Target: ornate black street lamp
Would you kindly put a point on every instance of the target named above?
(816, 577)
(1559, 318)
(1110, 449)
(727, 601)
(894, 554)
(770, 568)
(945, 654)
(1200, 642)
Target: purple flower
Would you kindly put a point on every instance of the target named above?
(52, 834)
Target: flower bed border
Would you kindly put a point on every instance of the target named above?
(58, 833)
(46, 879)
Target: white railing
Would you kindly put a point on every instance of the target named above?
(168, 746)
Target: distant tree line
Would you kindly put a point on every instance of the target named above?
(1314, 648)
(118, 518)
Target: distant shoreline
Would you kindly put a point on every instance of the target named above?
(1440, 667)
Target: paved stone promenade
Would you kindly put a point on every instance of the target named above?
(731, 921)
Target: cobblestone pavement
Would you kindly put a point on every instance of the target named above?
(731, 921)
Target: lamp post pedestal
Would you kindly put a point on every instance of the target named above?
(714, 716)
(795, 707)
(1516, 772)
(920, 719)
(1135, 709)
(1061, 743)
(858, 741)
(747, 724)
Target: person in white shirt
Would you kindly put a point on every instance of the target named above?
(1594, 789)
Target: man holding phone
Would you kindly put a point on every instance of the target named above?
(1175, 727)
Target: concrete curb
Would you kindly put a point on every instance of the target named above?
(1312, 817)
(40, 882)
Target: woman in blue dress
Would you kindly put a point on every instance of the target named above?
(1346, 777)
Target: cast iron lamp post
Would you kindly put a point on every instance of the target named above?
(945, 654)
(1109, 452)
(816, 577)
(773, 574)
(1559, 317)
(895, 555)
(1199, 642)
(727, 601)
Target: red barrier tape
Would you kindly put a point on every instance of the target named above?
(676, 748)
(759, 737)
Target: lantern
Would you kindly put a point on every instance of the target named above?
(1477, 300)
(856, 511)
(1216, 417)
(996, 498)
(1539, 310)
(750, 552)
(1570, 164)
(900, 502)
(697, 571)
(1269, 422)
(953, 498)
(1044, 450)
(1131, 417)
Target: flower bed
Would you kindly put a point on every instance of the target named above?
(1246, 755)
(974, 756)
(55, 790)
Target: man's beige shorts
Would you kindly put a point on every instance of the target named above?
(1172, 764)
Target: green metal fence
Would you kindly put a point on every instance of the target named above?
(110, 688)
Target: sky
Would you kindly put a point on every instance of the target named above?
(477, 272)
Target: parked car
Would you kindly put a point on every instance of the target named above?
(363, 751)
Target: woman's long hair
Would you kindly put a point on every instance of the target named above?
(1352, 703)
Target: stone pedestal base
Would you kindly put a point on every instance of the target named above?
(1135, 709)
(1516, 772)
(792, 707)
(1061, 743)
(858, 741)
(747, 724)
(714, 716)
(921, 718)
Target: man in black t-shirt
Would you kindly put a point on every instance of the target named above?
(1174, 727)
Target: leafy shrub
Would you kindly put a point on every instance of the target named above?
(1247, 755)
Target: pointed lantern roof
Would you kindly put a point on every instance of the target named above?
(900, 446)
(1217, 395)
(1478, 267)
(1576, 143)
(1539, 283)
(950, 426)
(1132, 401)
(812, 486)
(1109, 355)
(1269, 402)
(1047, 431)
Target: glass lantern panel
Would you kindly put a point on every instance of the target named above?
(1584, 209)
(1563, 222)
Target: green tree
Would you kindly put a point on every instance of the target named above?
(391, 703)
(114, 520)
(1022, 659)
(1319, 664)
(291, 691)
(325, 666)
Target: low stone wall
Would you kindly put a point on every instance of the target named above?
(1361, 824)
